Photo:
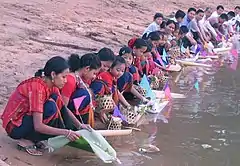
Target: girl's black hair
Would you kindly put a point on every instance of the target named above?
(149, 46)
(139, 43)
(154, 36)
(220, 7)
(91, 60)
(106, 54)
(170, 22)
(163, 25)
(157, 15)
(231, 13)
(183, 30)
(224, 16)
(125, 50)
(208, 8)
(180, 14)
(191, 9)
(56, 64)
(162, 34)
(199, 11)
(117, 61)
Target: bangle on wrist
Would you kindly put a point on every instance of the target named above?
(69, 132)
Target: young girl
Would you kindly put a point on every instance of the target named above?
(125, 82)
(139, 46)
(106, 57)
(148, 63)
(154, 26)
(83, 70)
(169, 30)
(157, 52)
(35, 110)
(183, 41)
(152, 43)
(106, 83)
(174, 42)
(186, 40)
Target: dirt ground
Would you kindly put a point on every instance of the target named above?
(86, 23)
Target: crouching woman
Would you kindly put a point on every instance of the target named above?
(35, 110)
(76, 94)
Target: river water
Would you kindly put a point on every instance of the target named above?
(202, 129)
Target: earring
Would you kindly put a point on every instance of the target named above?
(53, 80)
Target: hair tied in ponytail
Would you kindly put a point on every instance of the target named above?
(39, 73)
(131, 42)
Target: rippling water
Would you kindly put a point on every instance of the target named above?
(202, 130)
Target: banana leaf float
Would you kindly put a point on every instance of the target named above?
(90, 141)
(156, 106)
(82, 144)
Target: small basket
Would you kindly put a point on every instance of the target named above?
(131, 115)
(164, 79)
(154, 82)
(106, 102)
(115, 123)
(174, 52)
(140, 90)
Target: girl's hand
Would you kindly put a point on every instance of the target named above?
(129, 106)
(144, 100)
(72, 135)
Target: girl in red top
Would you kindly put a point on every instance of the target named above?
(35, 110)
(106, 82)
(147, 63)
(106, 57)
(139, 46)
(125, 82)
(83, 70)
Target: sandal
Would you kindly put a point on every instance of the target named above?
(31, 149)
(42, 146)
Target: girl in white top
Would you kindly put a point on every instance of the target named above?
(155, 25)
(237, 13)
(218, 12)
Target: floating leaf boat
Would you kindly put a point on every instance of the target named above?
(92, 142)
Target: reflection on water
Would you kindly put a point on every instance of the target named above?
(201, 130)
